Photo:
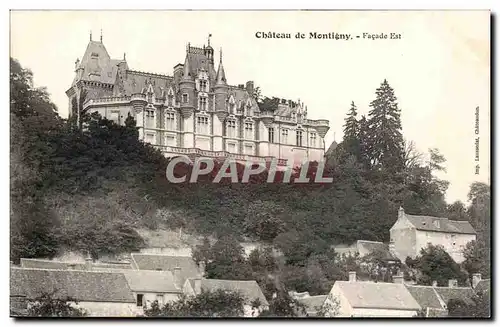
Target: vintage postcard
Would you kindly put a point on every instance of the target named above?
(250, 164)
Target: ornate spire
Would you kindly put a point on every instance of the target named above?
(221, 75)
(209, 36)
(124, 56)
(101, 35)
(90, 35)
(187, 72)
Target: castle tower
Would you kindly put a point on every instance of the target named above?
(220, 91)
(187, 88)
(209, 51)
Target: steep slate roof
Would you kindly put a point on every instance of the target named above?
(428, 223)
(189, 269)
(197, 60)
(248, 288)
(86, 286)
(426, 296)
(137, 82)
(459, 293)
(151, 281)
(103, 65)
(241, 97)
(378, 295)
(312, 303)
(331, 148)
(483, 286)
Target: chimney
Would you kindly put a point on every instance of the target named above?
(202, 267)
(352, 276)
(434, 283)
(197, 285)
(392, 247)
(398, 279)
(401, 212)
(88, 262)
(250, 88)
(476, 278)
(452, 283)
(177, 277)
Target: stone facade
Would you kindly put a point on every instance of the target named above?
(411, 233)
(195, 112)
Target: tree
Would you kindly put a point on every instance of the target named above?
(283, 305)
(412, 157)
(477, 259)
(435, 264)
(264, 220)
(351, 142)
(228, 261)
(457, 211)
(477, 307)
(216, 304)
(386, 145)
(48, 306)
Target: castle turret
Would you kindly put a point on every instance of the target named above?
(187, 102)
(221, 91)
(187, 88)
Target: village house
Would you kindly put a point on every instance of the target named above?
(411, 233)
(249, 289)
(150, 286)
(369, 299)
(434, 299)
(100, 294)
(182, 267)
(312, 304)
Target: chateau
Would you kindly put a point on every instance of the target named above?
(195, 112)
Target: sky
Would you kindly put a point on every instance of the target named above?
(439, 68)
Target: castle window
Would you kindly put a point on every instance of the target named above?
(202, 125)
(231, 128)
(203, 103)
(248, 149)
(170, 121)
(271, 135)
(284, 136)
(231, 147)
(313, 140)
(203, 86)
(184, 98)
(170, 141)
(299, 138)
(249, 130)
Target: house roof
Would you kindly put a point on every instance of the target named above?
(248, 288)
(458, 293)
(151, 281)
(189, 269)
(378, 295)
(426, 296)
(436, 224)
(483, 286)
(368, 247)
(89, 286)
(64, 265)
(49, 264)
(312, 303)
